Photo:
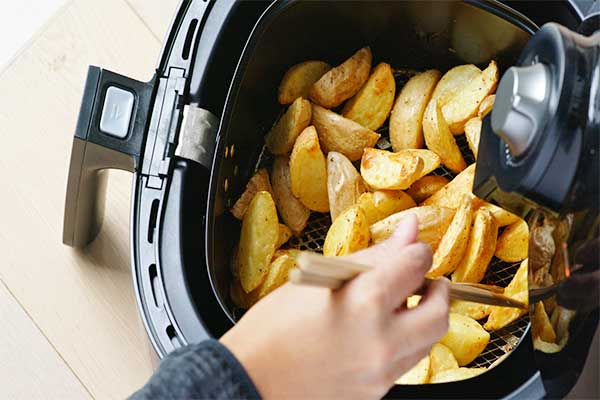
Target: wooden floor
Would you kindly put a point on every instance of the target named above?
(70, 326)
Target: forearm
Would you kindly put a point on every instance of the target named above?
(206, 370)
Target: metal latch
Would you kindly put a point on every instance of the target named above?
(197, 136)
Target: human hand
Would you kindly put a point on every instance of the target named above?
(354, 342)
(580, 291)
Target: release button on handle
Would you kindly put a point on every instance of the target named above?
(116, 112)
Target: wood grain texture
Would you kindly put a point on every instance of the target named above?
(81, 300)
(156, 14)
(30, 368)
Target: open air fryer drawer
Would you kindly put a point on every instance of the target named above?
(197, 128)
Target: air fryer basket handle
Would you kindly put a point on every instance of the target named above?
(109, 135)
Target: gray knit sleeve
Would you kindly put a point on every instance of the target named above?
(206, 370)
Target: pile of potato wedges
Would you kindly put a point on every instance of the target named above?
(330, 157)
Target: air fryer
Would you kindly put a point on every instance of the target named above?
(193, 136)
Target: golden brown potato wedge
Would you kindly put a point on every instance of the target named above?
(348, 233)
(513, 242)
(281, 138)
(413, 301)
(383, 169)
(464, 105)
(308, 171)
(278, 274)
(454, 80)
(298, 80)
(439, 139)
(465, 338)
(383, 203)
(441, 359)
(417, 375)
(406, 120)
(516, 289)
(344, 183)
(540, 324)
(343, 81)
(340, 134)
(258, 238)
(501, 216)
(292, 211)
(371, 106)
(240, 297)
(284, 235)
(472, 310)
(430, 160)
(426, 187)
(258, 182)
(458, 374)
(480, 249)
(454, 242)
(292, 253)
(486, 106)
(472, 132)
(450, 195)
(433, 222)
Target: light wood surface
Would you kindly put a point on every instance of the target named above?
(76, 327)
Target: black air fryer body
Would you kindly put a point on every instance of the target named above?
(218, 74)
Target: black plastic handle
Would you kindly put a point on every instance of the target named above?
(94, 150)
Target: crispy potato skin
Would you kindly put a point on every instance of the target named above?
(278, 274)
(406, 131)
(292, 211)
(465, 338)
(281, 138)
(441, 359)
(457, 374)
(426, 187)
(417, 375)
(371, 106)
(383, 203)
(258, 238)
(516, 289)
(284, 235)
(430, 160)
(308, 171)
(480, 249)
(258, 182)
(472, 132)
(486, 106)
(347, 234)
(439, 139)
(513, 242)
(501, 216)
(342, 135)
(454, 80)
(383, 169)
(298, 80)
(454, 242)
(344, 184)
(343, 81)
(465, 105)
(433, 223)
(472, 310)
(540, 324)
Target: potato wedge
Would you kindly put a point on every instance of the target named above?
(450, 195)
(371, 106)
(347, 234)
(454, 243)
(343, 81)
(516, 289)
(480, 249)
(240, 298)
(540, 324)
(426, 187)
(454, 80)
(413, 301)
(441, 359)
(486, 106)
(292, 211)
(472, 132)
(472, 310)
(340, 134)
(464, 105)
(281, 138)
(383, 203)
(430, 160)
(501, 216)
(258, 182)
(308, 171)
(512, 244)
(383, 169)
(285, 234)
(278, 274)
(298, 80)
(406, 119)
(417, 375)
(433, 222)
(465, 338)
(292, 253)
(458, 374)
(344, 183)
(439, 139)
(258, 238)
